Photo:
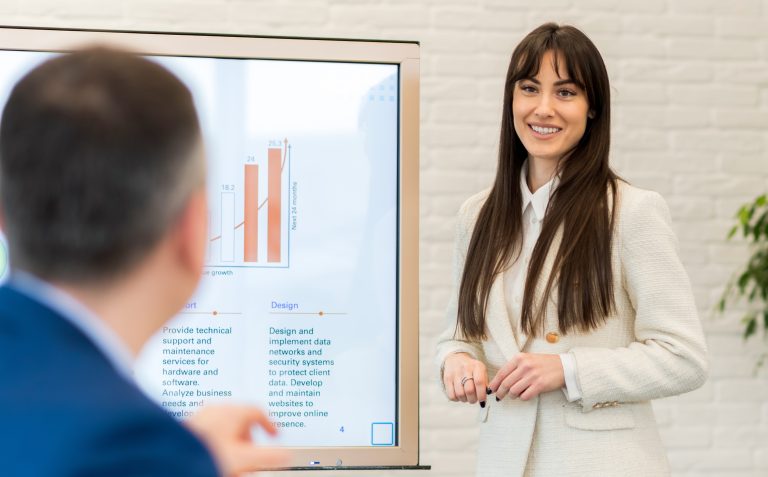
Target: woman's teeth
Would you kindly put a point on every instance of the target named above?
(541, 130)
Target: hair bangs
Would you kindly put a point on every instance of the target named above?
(529, 61)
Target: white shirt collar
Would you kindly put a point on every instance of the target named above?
(101, 335)
(539, 199)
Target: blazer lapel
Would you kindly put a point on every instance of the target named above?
(497, 320)
(546, 269)
(541, 285)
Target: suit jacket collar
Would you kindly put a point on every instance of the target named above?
(77, 314)
(24, 313)
(497, 320)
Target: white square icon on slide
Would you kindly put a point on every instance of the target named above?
(382, 434)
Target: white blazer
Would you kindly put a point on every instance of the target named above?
(653, 346)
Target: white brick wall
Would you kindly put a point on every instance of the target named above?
(690, 83)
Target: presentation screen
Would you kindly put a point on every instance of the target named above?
(307, 305)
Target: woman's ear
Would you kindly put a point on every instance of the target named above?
(591, 114)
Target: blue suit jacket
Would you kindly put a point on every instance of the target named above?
(66, 411)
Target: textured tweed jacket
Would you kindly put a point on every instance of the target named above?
(652, 347)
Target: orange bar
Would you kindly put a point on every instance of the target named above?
(274, 156)
(251, 214)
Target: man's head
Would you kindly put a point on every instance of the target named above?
(100, 151)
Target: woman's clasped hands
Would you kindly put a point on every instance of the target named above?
(525, 376)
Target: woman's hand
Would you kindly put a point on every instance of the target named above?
(527, 375)
(465, 379)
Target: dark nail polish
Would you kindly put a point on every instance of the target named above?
(497, 399)
(488, 391)
(482, 404)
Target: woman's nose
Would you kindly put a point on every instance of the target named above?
(543, 107)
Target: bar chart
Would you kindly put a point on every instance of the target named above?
(249, 222)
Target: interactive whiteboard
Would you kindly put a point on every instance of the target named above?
(308, 302)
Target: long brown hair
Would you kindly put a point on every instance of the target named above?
(580, 204)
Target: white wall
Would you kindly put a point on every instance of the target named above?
(690, 84)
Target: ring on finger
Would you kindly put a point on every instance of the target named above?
(465, 379)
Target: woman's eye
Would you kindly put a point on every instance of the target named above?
(566, 93)
(528, 88)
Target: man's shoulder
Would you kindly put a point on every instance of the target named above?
(36, 341)
(66, 410)
(47, 363)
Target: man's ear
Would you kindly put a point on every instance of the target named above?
(192, 232)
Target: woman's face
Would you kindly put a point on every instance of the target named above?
(550, 111)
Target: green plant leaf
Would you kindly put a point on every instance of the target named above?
(759, 227)
(765, 320)
(751, 327)
(733, 231)
(760, 363)
(743, 280)
(743, 215)
(761, 200)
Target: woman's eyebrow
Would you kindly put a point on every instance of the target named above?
(556, 83)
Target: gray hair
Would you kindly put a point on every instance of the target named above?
(99, 152)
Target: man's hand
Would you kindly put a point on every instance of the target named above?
(465, 379)
(527, 375)
(226, 431)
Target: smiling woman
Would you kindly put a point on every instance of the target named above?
(571, 304)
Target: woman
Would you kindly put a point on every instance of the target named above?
(571, 304)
